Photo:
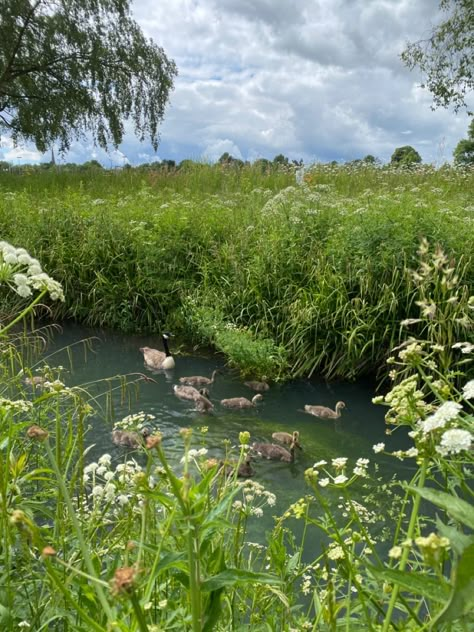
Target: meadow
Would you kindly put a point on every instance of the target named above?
(353, 271)
(285, 280)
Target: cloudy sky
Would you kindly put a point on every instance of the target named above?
(317, 80)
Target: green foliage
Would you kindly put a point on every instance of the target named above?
(445, 58)
(464, 150)
(405, 156)
(164, 544)
(317, 269)
(76, 66)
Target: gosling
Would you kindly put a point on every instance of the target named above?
(287, 438)
(323, 412)
(241, 402)
(199, 380)
(260, 387)
(275, 452)
(130, 439)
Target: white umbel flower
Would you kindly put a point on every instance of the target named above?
(446, 412)
(468, 390)
(454, 441)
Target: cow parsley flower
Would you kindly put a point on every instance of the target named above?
(446, 412)
(378, 447)
(454, 441)
(468, 390)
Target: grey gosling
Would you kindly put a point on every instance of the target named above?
(241, 402)
(199, 380)
(189, 392)
(155, 359)
(36, 380)
(287, 438)
(130, 439)
(260, 387)
(202, 402)
(245, 469)
(275, 452)
(324, 412)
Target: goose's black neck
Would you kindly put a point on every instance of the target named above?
(165, 346)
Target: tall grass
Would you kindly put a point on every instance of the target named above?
(314, 270)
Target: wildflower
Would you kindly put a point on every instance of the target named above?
(306, 585)
(163, 603)
(454, 441)
(335, 552)
(24, 624)
(411, 452)
(122, 499)
(319, 464)
(339, 463)
(378, 447)
(340, 480)
(244, 438)
(97, 491)
(446, 412)
(466, 347)
(395, 552)
(468, 390)
(106, 460)
(257, 511)
(323, 482)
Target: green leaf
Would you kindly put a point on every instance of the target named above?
(415, 583)
(461, 601)
(459, 541)
(454, 506)
(233, 576)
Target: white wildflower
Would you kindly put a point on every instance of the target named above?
(446, 412)
(395, 552)
(339, 463)
(454, 441)
(378, 447)
(319, 464)
(468, 390)
(339, 480)
(323, 482)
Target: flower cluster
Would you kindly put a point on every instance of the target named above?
(254, 498)
(340, 476)
(135, 422)
(23, 274)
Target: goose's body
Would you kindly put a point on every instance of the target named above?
(199, 380)
(155, 359)
(203, 404)
(255, 385)
(241, 402)
(129, 439)
(186, 392)
(324, 412)
(274, 452)
(287, 438)
(245, 469)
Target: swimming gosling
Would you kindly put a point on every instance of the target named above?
(199, 380)
(155, 359)
(275, 452)
(130, 439)
(260, 387)
(324, 412)
(241, 402)
(189, 392)
(244, 470)
(287, 438)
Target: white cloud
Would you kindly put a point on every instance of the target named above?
(312, 79)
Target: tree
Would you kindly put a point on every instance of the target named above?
(446, 57)
(464, 150)
(73, 66)
(405, 155)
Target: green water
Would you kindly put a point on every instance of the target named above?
(353, 435)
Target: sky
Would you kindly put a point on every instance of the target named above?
(315, 80)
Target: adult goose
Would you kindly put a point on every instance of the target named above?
(155, 359)
(241, 402)
(199, 380)
(324, 412)
(287, 438)
(130, 439)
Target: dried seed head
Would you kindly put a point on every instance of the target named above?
(37, 433)
(123, 581)
(48, 551)
(153, 441)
